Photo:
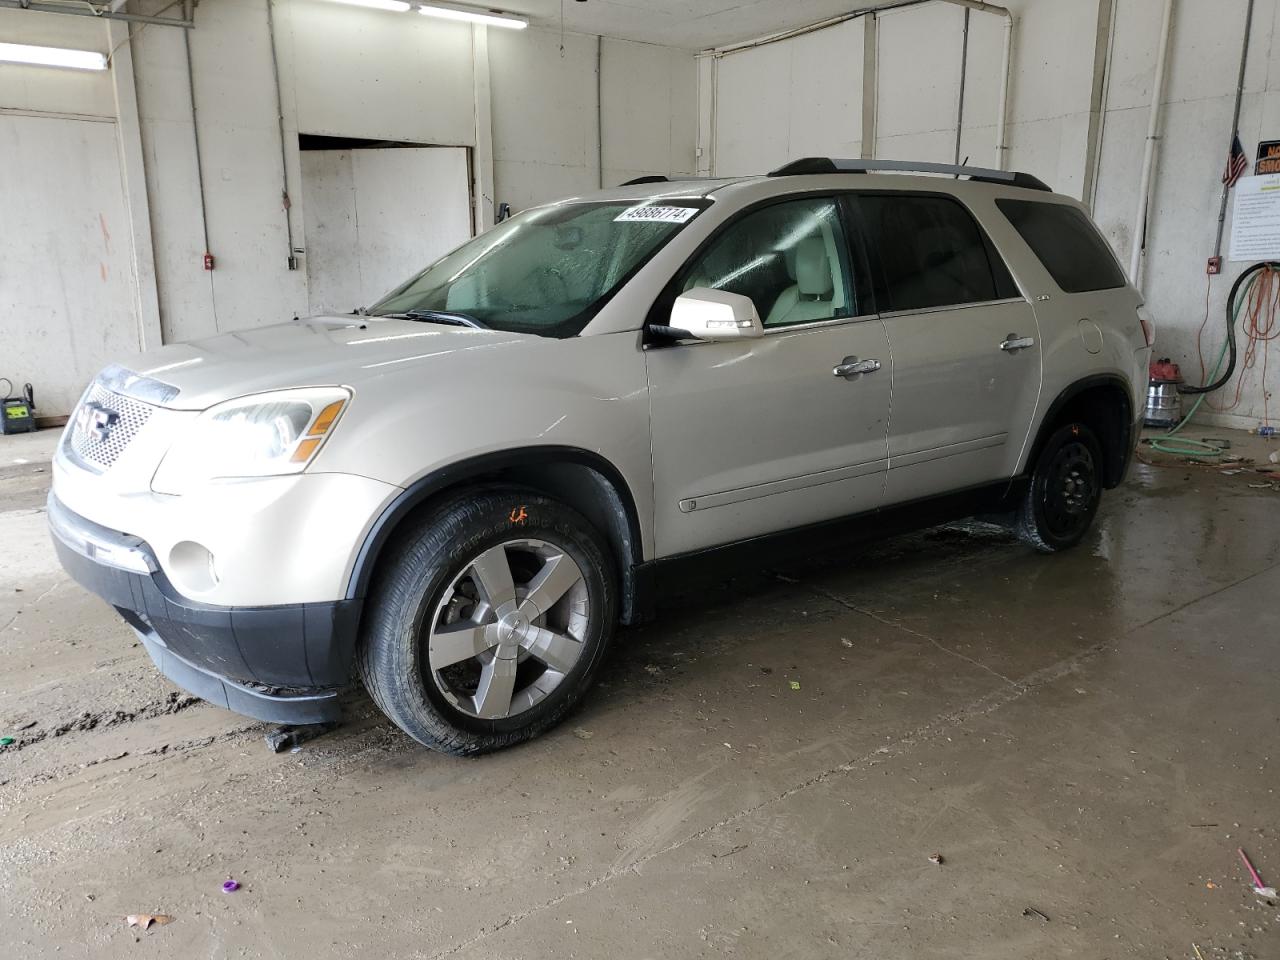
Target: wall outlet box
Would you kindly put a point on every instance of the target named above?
(1214, 266)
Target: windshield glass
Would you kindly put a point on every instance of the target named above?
(547, 271)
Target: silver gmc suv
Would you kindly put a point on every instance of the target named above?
(458, 492)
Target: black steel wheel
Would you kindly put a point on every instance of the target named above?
(1066, 487)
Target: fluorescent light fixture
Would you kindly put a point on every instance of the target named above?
(52, 56)
(472, 16)
(399, 6)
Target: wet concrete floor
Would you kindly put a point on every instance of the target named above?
(1087, 736)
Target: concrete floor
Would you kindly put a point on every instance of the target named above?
(1090, 735)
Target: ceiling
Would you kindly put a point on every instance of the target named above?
(692, 24)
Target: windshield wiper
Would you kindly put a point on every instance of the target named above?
(449, 317)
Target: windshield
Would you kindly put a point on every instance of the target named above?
(547, 271)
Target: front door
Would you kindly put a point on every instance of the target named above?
(756, 436)
(966, 347)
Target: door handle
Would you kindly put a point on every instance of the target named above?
(852, 367)
(1014, 342)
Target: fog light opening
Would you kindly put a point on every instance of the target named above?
(193, 567)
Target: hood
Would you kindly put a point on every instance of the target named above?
(317, 351)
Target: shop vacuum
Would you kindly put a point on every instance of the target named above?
(17, 413)
(1164, 401)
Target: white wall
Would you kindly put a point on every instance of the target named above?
(376, 217)
(344, 71)
(545, 113)
(66, 305)
(65, 297)
(788, 100)
(758, 125)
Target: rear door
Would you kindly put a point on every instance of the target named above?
(966, 348)
(756, 436)
(1088, 313)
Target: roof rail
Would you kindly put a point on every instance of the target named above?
(816, 165)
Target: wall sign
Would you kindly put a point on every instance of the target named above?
(1268, 158)
(1255, 222)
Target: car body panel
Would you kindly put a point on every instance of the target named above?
(1082, 335)
(274, 540)
(759, 435)
(961, 403)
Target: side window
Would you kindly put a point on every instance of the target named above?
(789, 258)
(932, 252)
(1067, 244)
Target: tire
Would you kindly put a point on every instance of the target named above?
(1066, 486)
(440, 594)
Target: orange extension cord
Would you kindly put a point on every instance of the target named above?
(1261, 325)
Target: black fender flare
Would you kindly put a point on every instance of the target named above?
(450, 475)
(1117, 459)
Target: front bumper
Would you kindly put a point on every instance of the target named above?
(282, 664)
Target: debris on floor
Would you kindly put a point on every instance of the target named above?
(280, 739)
(145, 920)
(1259, 887)
(582, 734)
(795, 684)
(230, 886)
(1033, 912)
(938, 858)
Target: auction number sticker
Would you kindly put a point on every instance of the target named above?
(650, 214)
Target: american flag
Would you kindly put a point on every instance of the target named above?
(1237, 163)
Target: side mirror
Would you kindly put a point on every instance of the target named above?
(706, 314)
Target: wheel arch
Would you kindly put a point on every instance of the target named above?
(581, 479)
(1105, 403)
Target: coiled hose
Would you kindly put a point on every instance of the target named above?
(1184, 446)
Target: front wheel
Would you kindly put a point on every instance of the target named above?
(1066, 487)
(488, 620)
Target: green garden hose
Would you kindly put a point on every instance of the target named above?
(1184, 446)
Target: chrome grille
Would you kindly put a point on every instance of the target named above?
(100, 445)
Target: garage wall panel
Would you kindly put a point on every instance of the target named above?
(377, 217)
(47, 89)
(66, 288)
(752, 110)
(797, 98)
(544, 115)
(184, 288)
(649, 110)
(825, 94)
(378, 75)
(917, 93)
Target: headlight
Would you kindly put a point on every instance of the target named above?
(266, 435)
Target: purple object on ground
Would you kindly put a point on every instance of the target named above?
(230, 886)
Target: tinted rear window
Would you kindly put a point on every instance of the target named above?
(1067, 244)
(932, 252)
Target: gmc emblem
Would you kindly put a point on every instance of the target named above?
(96, 420)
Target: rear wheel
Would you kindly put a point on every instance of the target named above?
(1066, 487)
(488, 620)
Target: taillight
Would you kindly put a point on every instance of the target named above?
(1148, 325)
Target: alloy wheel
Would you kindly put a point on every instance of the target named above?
(508, 629)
